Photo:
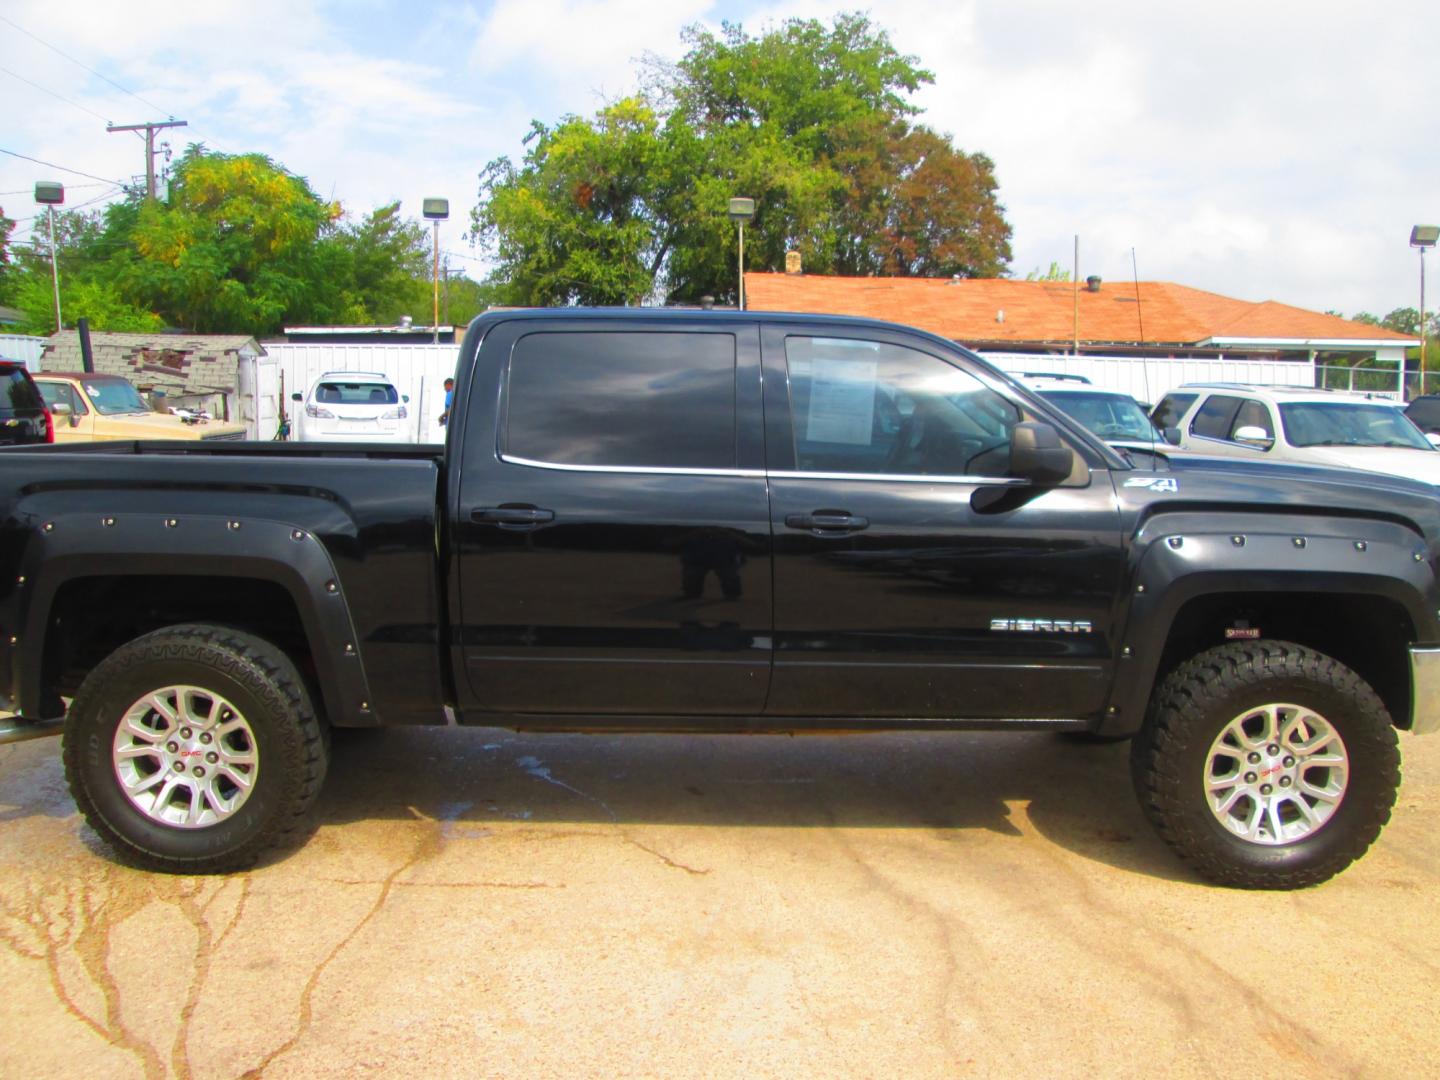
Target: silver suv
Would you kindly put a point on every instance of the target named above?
(1298, 425)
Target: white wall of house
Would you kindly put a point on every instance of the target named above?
(1149, 378)
(24, 348)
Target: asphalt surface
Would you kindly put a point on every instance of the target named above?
(481, 903)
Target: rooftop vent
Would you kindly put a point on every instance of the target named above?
(1092, 283)
(407, 321)
(793, 263)
(707, 301)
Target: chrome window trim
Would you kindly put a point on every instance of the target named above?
(635, 470)
(761, 474)
(901, 478)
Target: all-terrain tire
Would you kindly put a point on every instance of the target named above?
(213, 675)
(1171, 762)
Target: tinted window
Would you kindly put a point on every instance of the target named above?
(868, 407)
(1215, 417)
(656, 400)
(1170, 409)
(19, 393)
(353, 393)
(1253, 414)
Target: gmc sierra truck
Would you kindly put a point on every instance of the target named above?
(720, 522)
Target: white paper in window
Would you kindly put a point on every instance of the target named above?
(842, 401)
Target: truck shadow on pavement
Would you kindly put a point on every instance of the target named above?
(1076, 796)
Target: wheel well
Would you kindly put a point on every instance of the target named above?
(1368, 634)
(93, 616)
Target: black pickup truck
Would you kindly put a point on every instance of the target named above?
(720, 522)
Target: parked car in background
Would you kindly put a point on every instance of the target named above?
(92, 407)
(1301, 426)
(353, 406)
(1424, 413)
(1114, 416)
(23, 417)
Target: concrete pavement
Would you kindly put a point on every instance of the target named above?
(481, 903)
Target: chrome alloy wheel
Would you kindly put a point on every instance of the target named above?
(1276, 774)
(185, 757)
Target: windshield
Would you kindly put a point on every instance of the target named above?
(355, 393)
(1111, 416)
(1347, 423)
(111, 397)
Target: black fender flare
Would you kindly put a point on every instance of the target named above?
(72, 545)
(1182, 556)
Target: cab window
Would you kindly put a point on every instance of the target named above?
(1216, 417)
(63, 394)
(870, 407)
(649, 400)
(1253, 414)
(1171, 408)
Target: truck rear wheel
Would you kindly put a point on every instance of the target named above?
(194, 749)
(1266, 765)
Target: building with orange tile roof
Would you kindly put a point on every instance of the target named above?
(1148, 318)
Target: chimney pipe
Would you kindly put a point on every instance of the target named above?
(87, 358)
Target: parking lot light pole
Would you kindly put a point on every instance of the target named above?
(437, 210)
(741, 211)
(50, 194)
(1423, 237)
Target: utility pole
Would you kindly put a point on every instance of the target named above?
(149, 130)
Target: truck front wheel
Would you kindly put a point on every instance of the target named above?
(194, 749)
(1266, 765)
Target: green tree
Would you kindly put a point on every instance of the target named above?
(1404, 320)
(235, 248)
(593, 211)
(813, 121)
(383, 266)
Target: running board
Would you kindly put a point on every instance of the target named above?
(13, 730)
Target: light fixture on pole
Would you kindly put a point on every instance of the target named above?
(51, 193)
(1423, 237)
(741, 211)
(437, 210)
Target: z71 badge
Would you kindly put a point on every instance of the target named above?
(1154, 483)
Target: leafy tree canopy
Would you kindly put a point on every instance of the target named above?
(813, 121)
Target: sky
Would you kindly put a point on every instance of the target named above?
(1266, 150)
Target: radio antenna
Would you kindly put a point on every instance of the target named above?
(1144, 360)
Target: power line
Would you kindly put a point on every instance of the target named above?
(52, 93)
(91, 70)
(62, 168)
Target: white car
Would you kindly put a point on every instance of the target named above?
(1297, 425)
(353, 406)
(1114, 416)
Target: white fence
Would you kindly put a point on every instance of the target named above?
(23, 347)
(418, 371)
(1148, 378)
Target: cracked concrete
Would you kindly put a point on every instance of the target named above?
(489, 904)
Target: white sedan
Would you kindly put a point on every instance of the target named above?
(353, 406)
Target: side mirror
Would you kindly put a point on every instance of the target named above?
(1172, 435)
(405, 398)
(1433, 438)
(1037, 454)
(297, 397)
(1252, 435)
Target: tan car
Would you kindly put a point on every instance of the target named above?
(97, 407)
